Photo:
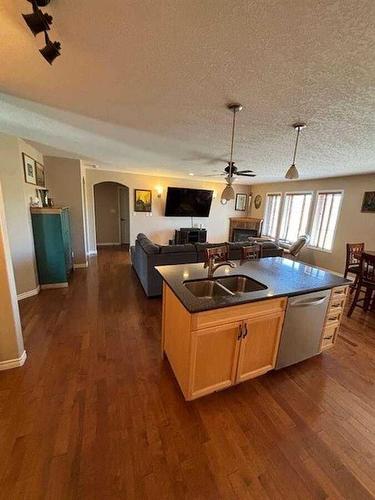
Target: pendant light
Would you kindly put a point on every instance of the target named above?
(292, 172)
(228, 193)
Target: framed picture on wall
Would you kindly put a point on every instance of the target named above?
(241, 202)
(29, 169)
(368, 203)
(142, 200)
(40, 177)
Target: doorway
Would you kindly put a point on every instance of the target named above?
(112, 221)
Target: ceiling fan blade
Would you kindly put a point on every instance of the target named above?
(246, 175)
(245, 172)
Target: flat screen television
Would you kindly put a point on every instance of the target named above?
(185, 202)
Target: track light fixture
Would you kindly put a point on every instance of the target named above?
(37, 21)
(40, 22)
(51, 49)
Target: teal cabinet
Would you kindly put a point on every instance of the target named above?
(53, 247)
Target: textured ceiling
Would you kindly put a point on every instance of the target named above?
(142, 85)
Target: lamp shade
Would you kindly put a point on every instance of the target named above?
(292, 173)
(228, 193)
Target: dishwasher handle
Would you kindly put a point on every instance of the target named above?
(305, 303)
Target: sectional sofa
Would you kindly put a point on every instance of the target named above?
(145, 255)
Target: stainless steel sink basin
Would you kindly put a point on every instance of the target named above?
(207, 289)
(240, 284)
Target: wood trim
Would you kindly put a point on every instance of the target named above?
(47, 286)
(13, 363)
(47, 210)
(29, 293)
(241, 312)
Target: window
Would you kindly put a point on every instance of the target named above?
(271, 217)
(295, 216)
(325, 219)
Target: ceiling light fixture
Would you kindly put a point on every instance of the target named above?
(37, 21)
(228, 193)
(191, 173)
(51, 49)
(292, 172)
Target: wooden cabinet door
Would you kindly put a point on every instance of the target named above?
(259, 346)
(214, 358)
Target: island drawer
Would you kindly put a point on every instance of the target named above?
(215, 317)
(329, 336)
(337, 303)
(334, 316)
(339, 292)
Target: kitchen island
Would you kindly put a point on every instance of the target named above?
(223, 331)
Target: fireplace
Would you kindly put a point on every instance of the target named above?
(244, 227)
(240, 234)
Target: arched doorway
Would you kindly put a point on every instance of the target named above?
(112, 221)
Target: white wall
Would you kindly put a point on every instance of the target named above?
(353, 226)
(64, 181)
(11, 342)
(157, 227)
(17, 194)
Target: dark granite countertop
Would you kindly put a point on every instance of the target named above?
(283, 278)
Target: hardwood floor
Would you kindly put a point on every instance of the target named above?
(96, 414)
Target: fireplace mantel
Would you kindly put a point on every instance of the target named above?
(244, 223)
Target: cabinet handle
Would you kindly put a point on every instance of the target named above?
(328, 338)
(246, 332)
(239, 332)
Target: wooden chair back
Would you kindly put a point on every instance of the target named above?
(353, 254)
(220, 253)
(367, 270)
(251, 252)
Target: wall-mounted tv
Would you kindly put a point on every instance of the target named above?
(185, 202)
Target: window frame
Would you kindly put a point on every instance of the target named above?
(309, 215)
(317, 193)
(273, 193)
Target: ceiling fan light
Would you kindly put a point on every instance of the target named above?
(227, 194)
(292, 173)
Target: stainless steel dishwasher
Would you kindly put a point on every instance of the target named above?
(303, 324)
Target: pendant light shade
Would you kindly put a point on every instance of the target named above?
(292, 172)
(227, 194)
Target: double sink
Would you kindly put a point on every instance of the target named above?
(223, 286)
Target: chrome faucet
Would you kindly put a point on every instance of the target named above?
(212, 267)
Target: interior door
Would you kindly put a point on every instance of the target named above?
(259, 346)
(124, 215)
(214, 358)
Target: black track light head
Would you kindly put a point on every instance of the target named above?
(41, 3)
(51, 50)
(37, 21)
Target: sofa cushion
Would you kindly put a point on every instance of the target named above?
(188, 247)
(237, 245)
(201, 247)
(149, 247)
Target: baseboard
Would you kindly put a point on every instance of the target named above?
(13, 363)
(47, 286)
(112, 244)
(28, 294)
(81, 265)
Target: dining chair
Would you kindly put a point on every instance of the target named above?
(220, 253)
(365, 284)
(251, 252)
(353, 257)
